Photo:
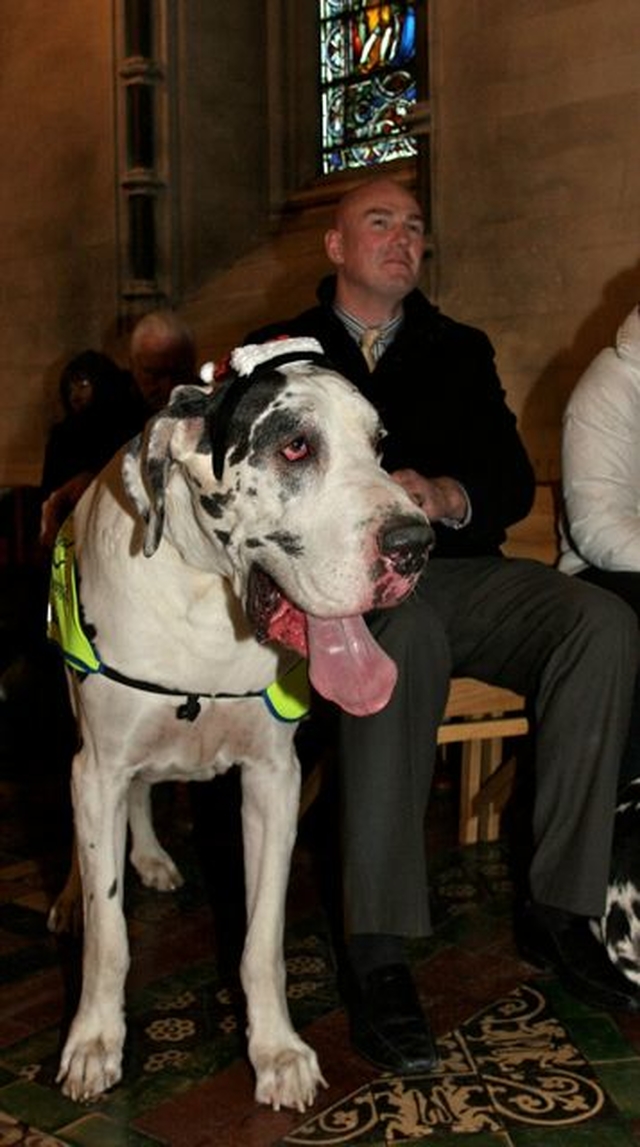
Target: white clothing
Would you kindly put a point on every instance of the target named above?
(601, 460)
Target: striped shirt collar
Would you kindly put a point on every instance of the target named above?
(356, 329)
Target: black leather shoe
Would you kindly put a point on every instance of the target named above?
(388, 1025)
(569, 948)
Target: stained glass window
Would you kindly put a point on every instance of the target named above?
(368, 74)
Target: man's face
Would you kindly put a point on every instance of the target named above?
(157, 368)
(378, 242)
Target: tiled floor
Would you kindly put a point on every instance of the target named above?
(521, 1062)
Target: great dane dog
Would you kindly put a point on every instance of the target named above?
(248, 527)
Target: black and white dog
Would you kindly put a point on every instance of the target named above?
(619, 927)
(248, 527)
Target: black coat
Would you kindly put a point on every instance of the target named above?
(442, 403)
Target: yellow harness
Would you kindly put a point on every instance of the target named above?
(288, 698)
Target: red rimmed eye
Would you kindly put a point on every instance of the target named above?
(296, 450)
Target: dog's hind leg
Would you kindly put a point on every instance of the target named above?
(65, 914)
(152, 863)
(92, 1055)
(154, 866)
(287, 1071)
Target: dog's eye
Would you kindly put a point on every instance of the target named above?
(296, 450)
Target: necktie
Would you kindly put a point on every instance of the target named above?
(369, 338)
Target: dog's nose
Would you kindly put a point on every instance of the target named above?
(406, 542)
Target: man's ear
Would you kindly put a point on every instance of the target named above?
(333, 246)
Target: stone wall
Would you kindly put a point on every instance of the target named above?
(536, 190)
(61, 207)
(57, 255)
(537, 185)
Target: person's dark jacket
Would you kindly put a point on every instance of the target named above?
(442, 403)
(84, 440)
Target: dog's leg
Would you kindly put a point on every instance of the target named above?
(92, 1055)
(287, 1071)
(154, 866)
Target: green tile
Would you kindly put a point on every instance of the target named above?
(42, 1107)
(599, 1038)
(621, 1080)
(597, 1133)
(564, 1005)
(99, 1131)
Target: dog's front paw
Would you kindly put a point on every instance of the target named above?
(288, 1076)
(89, 1067)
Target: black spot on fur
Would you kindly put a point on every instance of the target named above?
(189, 402)
(113, 890)
(623, 962)
(259, 394)
(617, 925)
(223, 536)
(156, 472)
(254, 543)
(290, 543)
(216, 504)
(635, 908)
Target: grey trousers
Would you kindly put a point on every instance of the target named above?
(572, 649)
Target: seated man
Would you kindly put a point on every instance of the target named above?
(453, 444)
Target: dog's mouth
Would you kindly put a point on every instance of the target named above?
(346, 664)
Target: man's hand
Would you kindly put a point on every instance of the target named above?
(439, 498)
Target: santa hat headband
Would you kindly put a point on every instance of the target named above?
(275, 353)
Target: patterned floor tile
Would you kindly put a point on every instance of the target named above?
(511, 1066)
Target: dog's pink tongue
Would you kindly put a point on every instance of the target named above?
(346, 664)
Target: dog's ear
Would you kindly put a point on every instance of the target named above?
(179, 429)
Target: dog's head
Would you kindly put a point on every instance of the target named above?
(273, 480)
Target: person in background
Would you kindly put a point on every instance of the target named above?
(572, 649)
(600, 527)
(91, 391)
(162, 355)
(162, 352)
(91, 388)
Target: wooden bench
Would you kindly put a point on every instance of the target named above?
(480, 717)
